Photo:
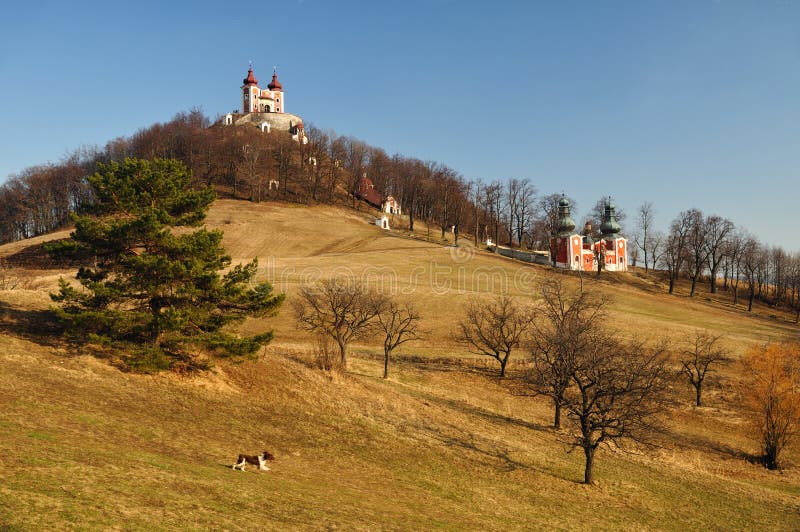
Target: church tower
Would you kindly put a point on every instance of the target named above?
(277, 92)
(250, 93)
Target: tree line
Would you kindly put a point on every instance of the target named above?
(712, 249)
(246, 163)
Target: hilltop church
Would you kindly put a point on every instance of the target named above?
(265, 108)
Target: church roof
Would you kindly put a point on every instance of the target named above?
(275, 84)
(250, 79)
(610, 227)
(565, 224)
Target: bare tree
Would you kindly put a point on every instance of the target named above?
(344, 311)
(696, 246)
(318, 145)
(599, 251)
(642, 238)
(752, 253)
(399, 324)
(675, 247)
(617, 394)
(719, 231)
(476, 199)
(523, 208)
(493, 200)
(698, 359)
(562, 331)
(735, 251)
(794, 285)
(493, 328)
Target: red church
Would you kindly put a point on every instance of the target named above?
(573, 251)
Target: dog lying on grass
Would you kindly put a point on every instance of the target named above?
(259, 460)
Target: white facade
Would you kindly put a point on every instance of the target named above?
(392, 206)
(257, 100)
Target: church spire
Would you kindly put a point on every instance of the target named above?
(275, 84)
(250, 79)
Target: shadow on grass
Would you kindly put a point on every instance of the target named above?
(38, 326)
(477, 411)
(720, 448)
(469, 442)
(34, 257)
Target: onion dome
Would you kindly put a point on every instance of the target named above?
(610, 226)
(250, 79)
(275, 84)
(566, 225)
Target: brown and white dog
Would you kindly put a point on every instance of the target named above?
(259, 460)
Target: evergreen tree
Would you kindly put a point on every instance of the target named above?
(152, 289)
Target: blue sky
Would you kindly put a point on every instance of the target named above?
(686, 104)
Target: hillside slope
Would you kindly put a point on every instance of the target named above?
(442, 444)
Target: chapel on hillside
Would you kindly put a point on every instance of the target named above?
(573, 251)
(265, 108)
(368, 193)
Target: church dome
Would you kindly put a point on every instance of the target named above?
(275, 84)
(610, 226)
(250, 79)
(566, 225)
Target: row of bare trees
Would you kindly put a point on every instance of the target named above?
(340, 311)
(611, 390)
(614, 390)
(728, 257)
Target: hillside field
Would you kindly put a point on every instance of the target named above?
(442, 444)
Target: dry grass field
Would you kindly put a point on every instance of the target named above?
(442, 444)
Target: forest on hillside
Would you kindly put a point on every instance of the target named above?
(246, 163)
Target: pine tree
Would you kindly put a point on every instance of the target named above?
(152, 290)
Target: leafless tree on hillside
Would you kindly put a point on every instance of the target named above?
(493, 198)
(344, 311)
(697, 361)
(617, 394)
(675, 246)
(521, 199)
(493, 328)
(399, 324)
(735, 252)
(317, 151)
(562, 330)
(752, 255)
(644, 234)
(718, 231)
(696, 246)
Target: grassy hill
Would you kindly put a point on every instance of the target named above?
(443, 443)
